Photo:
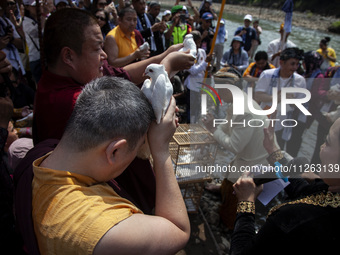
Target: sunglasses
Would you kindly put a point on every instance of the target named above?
(101, 18)
(11, 3)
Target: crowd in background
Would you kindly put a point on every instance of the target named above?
(137, 30)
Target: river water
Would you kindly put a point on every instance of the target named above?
(304, 38)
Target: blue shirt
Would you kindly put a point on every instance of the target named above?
(247, 37)
(239, 60)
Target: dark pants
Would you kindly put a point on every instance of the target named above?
(36, 71)
(294, 144)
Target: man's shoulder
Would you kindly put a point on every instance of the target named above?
(264, 80)
(74, 204)
(300, 81)
(274, 42)
(244, 52)
(238, 30)
(290, 44)
(27, 22)
(268, 72)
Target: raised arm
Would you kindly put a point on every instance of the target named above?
(169, 230)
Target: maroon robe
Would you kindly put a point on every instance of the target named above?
(54, 103)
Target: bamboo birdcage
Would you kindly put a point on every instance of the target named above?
(192, 149)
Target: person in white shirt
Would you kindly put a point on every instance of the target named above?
(245, 141)
(194, 79)
(276, 46)
(282, 77)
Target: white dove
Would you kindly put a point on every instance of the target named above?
(189, 44)
(144, 46)
(159, 90)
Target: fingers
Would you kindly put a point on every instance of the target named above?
(2, 55)
(5, 66)
(171, 109)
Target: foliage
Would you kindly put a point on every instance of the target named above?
(335, 27)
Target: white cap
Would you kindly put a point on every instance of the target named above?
(222, 21)
(184, 8)
(248, 17)
(166, 12)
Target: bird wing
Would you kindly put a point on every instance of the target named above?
(160, 96)
(192, 46)
(146, 89)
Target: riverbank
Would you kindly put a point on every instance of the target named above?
(302, 19)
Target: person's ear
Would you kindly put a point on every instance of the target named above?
(116, 150)
(68, 56)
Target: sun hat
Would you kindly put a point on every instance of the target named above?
(237, 38)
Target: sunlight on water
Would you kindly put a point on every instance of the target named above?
(304, 38)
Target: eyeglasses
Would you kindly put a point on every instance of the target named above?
(101, 18)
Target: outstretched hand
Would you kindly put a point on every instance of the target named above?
(177, 61)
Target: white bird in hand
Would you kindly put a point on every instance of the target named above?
(159, 90)
(189, 44)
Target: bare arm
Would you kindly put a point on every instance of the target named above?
(172, 60)
(111, 49)
(196, 12)
(169, 230)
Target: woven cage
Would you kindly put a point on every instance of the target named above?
(192, 149)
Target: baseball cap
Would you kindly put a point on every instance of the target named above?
(30, 2)
(166, 12)
(176, 9)
(248, 17)
(207, 16)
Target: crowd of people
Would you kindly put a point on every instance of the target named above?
(74, 123)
